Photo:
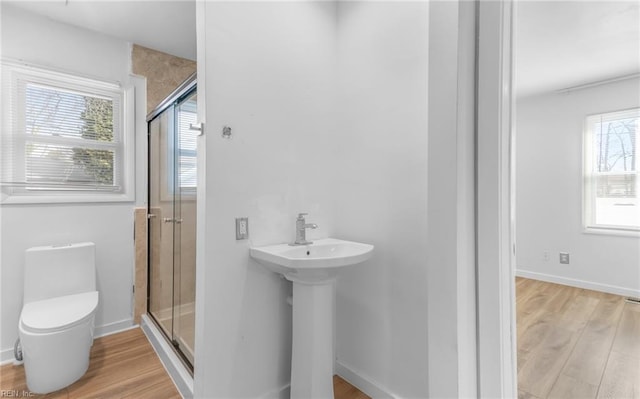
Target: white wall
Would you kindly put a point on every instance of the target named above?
(328, 104)
(42, 42)
(404, 320)
(269, 69)
(549, 136)
(381, 193)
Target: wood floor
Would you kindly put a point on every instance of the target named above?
(343, 390)
(124, 365)
(576, 343)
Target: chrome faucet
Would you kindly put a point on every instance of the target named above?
(301, 230)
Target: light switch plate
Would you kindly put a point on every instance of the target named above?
(242, 228)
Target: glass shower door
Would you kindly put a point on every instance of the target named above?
(161, 216)
(172, 222)
(185, 226)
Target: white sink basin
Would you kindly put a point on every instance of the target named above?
(315, 262)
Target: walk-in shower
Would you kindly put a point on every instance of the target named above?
(172, 218)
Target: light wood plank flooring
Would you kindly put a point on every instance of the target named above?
(343, 390)
(572, 343)
(124, 365)
(576, 343)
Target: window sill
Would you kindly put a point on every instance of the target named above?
(611, 232)
(62, 198)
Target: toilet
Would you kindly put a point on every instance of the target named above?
(57, 319)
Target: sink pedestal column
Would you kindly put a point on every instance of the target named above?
(312, 348)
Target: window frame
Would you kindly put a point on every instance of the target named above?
(177, 152)
(589, 187)
(13, 191)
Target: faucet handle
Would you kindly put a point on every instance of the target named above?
(302, 215)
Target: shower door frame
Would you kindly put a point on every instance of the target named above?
(184, 91)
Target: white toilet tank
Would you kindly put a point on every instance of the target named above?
(55, 271)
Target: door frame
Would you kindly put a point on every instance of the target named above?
(497, 364)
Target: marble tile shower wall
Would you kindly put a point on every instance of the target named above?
(164, 72)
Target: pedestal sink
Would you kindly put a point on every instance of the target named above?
(312, 268)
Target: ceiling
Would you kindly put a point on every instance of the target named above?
(563, 44)
(558, 44)
(167, 26)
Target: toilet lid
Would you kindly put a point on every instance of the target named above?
(55, 313)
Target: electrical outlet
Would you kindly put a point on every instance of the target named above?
(546, 256)
(564, 258)
(242, 228)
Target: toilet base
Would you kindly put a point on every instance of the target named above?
(53, 361)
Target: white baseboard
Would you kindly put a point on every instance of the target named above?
(361, 382)
(6, 356)
(283, 392)
(113, 328)
(589, 285)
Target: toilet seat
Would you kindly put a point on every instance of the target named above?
(60, 313)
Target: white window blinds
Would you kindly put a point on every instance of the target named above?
(64, 134)
(70, 138)
(187, 144)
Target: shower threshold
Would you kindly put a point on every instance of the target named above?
(179, 372)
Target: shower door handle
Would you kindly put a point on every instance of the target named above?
(168, 220)
(199, 127)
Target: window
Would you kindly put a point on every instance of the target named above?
(63, 138)
(611, 171)
(186, 142)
